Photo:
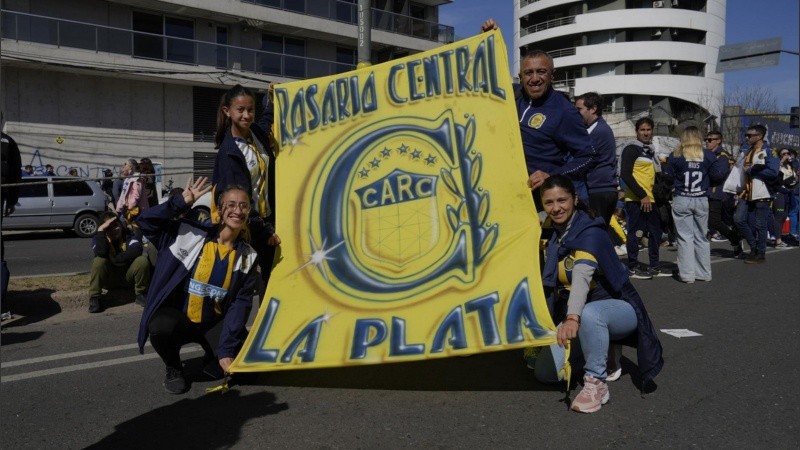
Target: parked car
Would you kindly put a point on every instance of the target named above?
(202, 207)
(61, 203)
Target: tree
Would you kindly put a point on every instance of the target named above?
(752, 99)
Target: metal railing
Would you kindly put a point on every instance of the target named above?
(562, 52)
(560, 22)
(526, 2)
(347, 12)
(136, 44)
(564, 83)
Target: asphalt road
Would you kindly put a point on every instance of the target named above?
(72, 380)
(46, 252)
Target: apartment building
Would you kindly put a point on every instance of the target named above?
(88, 83)
(646, 57)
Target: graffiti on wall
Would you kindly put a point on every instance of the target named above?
(40, 166)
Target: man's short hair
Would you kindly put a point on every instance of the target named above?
(758, 128)
(714, 133)
(592, 100)
(646, 120)
(539, 53)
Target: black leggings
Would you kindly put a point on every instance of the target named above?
(170, 329)
(716, 221)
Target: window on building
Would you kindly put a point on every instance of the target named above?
(164, 38)
(203, 164)
(345, 59)
(287, 58)
(346, 11)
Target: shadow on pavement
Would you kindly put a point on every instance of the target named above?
(32, 306)
(495, 371)
(208, 422)
(18, 338)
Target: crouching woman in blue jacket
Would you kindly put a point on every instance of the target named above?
(204, 274)
(591, 297)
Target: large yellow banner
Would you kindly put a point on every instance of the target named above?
(408, 229)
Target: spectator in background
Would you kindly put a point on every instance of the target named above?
(784, 186)
(73, 172)
(601, 181)
(27, 171)
(749, 180)
(721, 203)
(107, 185)
(148, 171)
(48, 171)
(118, 261)
(692, 170)
(9, 195)
(132, 200)
(638, 167)
(794, 199)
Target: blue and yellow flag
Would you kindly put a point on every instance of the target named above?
(408, 228)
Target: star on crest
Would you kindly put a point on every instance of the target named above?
(363, 173)
(430, 160)
(375, 163)
(295, 141)
(403, 149)
(386, 152)
(416, 154)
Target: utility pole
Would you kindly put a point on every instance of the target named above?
(364, 33)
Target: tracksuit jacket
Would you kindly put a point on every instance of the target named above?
(603, 177)
(554, 137)
(180, 242)
(611, 282)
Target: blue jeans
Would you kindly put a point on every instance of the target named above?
(641, 224)
(751, 220)
(691, 226)
(794, 208)
(602, 321)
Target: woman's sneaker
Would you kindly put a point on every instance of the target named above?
(658, 272)
(593, 395)
(174, 382)
(639, 274)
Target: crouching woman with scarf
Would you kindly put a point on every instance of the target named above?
(591, 297)
(204, 274)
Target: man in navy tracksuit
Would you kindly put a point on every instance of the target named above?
(601, 181)
(554, 138)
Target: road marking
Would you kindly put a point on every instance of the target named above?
(96, 351)
(87, 366)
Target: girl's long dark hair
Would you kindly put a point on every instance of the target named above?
(223, 122)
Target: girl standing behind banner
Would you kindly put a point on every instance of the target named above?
(206, 274)
(693, 169)
(245, 158)
(590, 296)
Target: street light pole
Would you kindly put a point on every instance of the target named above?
(364, 33)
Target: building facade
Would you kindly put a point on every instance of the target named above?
(88, 83)
(646, 57)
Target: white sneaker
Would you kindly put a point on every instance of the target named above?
(614, 355)
(621, 250)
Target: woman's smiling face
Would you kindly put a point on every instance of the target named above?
(559, 204)
(235, 207)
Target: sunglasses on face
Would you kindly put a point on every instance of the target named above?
(711, 139)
